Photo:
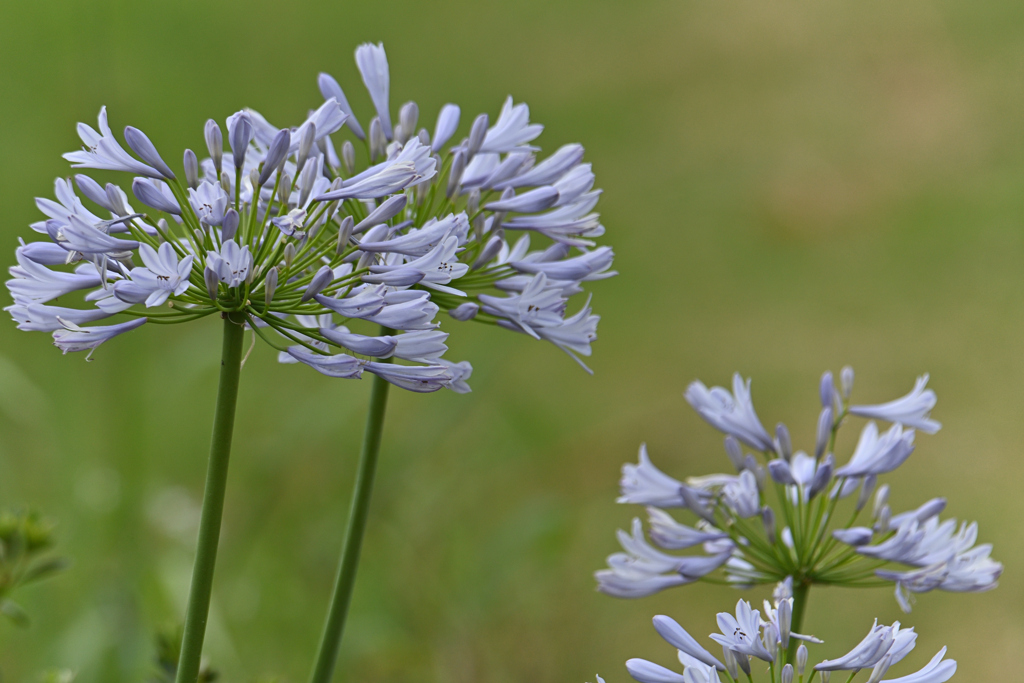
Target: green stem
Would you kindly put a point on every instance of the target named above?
(327, 656)
(800, 591)
(213, 505)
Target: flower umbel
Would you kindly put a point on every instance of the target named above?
(777, 517)
(289, 229)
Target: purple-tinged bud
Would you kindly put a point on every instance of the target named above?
(254, 177)
(489, 251)
(225, 183)
(348, 157)
(801, 659)
(391, 207)
(116, 198)
(730, 663)
(270, 286)
(307, 136)
(93, 191)
(826, 388)
(785, 614)
(365, 261)
(284, 189)
(191, 164)
(466, 311)
(150, 195)
(344, 233)
(142, 146)
(824, 432)
(822, 476)
(884, 515)
(408, 115)
(275, 156)
(447, 122)
(760, 475)
(289, 254)
(768, 520)
(241, 136)
(477, 134)
(735, 453)
(846, 381)
(214, 143)
(424, 137)
(455, 175)
(473, 203)
(787, 672)
(866, 490)
(378, 142)
(881, 500)
(783, 443)
(212, 281)
(306, 180)
(855, 536)
(230, 225)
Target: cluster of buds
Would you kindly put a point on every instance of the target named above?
(300, 235)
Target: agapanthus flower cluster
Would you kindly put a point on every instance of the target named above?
(756, 645)
(306, 233)
(795, 515)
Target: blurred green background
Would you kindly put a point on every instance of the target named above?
(789, 187)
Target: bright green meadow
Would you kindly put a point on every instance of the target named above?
(789, 187)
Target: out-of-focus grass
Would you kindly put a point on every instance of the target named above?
(788, 186)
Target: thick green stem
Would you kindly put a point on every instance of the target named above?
(213, 505)
(327, 656)
(800, 590)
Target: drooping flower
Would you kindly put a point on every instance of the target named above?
(911, 410)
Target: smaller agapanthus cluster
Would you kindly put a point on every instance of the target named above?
(300, 241)
(747, 638)
(776, 517)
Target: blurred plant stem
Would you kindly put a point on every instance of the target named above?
(213, 503)
(327, 655)
(800, 591)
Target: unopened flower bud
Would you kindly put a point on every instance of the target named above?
(212, 281)
(424, 137)
(825, 389)
(455, 175)
(473, 203)
(734, 451)
(348, 157)
(824, 432)
(866, 490)
(881, 500)
(284, 188)
(489, 251)
(141, 145)
(225, 183)
(323, 277)
(344, 233)
(466, 311)
(241, 136)
(254, 180)
(378, 143)
(289, 254)
(307, 136)
(782, 442)
(825, 676)
(785, 609)
(846, 381)
(801, 659)
(200, 236)
(787, 674)
(408, 116)
(116, 200)
(191, 164)
(230, 225)
(884, 515)
(270, 285)
(730, 663)
(275, 156)
(214, 143)
(768, 520)
(477, 134)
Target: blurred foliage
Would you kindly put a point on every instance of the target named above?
(788, 186)
(25, 539)
(168, 651)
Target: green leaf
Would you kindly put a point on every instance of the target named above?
(15, 613)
